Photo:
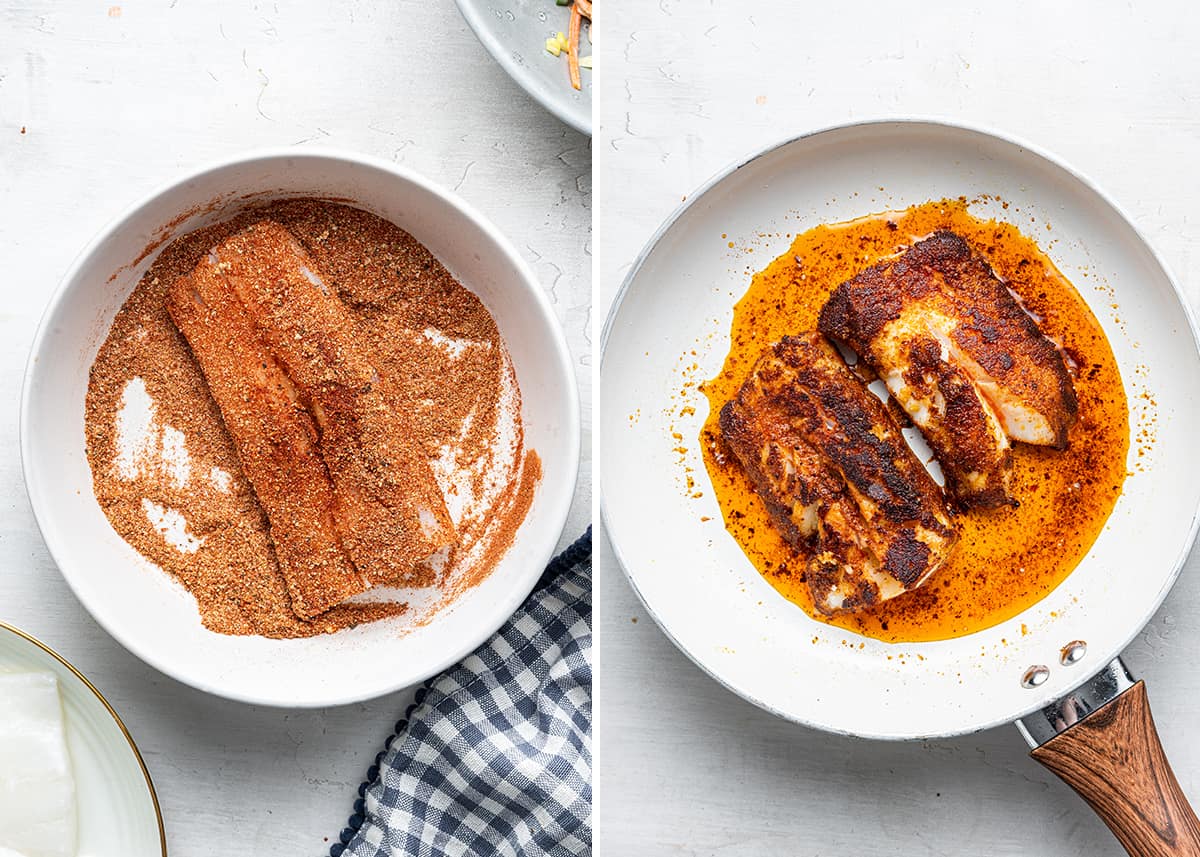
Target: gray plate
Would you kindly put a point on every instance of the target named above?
(515, 33)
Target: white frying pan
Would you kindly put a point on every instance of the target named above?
(698, 585)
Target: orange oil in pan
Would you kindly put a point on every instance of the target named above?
(1006, 559)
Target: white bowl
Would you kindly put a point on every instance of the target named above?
(142, 607)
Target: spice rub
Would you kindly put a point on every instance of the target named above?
(386, 508)
(227, 482)
(275, 439)
(1007, 558)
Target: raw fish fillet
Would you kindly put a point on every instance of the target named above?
(275, 439)
(390, 513)
(37, 786)
(963, 358)
(841, 482)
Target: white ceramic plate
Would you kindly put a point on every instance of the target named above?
(118, 810)
(514, 33)
(141, 606)
(691, 574)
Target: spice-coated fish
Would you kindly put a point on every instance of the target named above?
(389, 511)
(275, 439)
(963, 358)
(839, 479)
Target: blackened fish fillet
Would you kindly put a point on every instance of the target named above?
(275, 439)
(961, 356)
(840, 480)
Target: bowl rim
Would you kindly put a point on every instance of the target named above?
(40, 498)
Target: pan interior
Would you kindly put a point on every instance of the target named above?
(665, 523)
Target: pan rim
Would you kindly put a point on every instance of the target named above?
(1041, 698)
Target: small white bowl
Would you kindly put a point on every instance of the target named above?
(144, 609)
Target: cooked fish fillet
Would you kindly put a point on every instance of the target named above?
(837, 475)
(275, 439)
(390, 513)
(963, 358)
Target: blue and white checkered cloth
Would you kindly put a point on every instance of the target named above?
(494, 757)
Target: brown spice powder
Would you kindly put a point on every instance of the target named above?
(431, 336)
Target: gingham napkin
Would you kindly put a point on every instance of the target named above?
(494, 758)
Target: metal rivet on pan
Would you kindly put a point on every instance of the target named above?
(1035, 676)
(1073, 652)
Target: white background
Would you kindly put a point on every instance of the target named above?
(115, 100)
(686, 87)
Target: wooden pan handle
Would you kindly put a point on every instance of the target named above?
(1114, 760)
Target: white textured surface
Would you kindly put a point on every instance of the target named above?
(117, 100)
(687, 768)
